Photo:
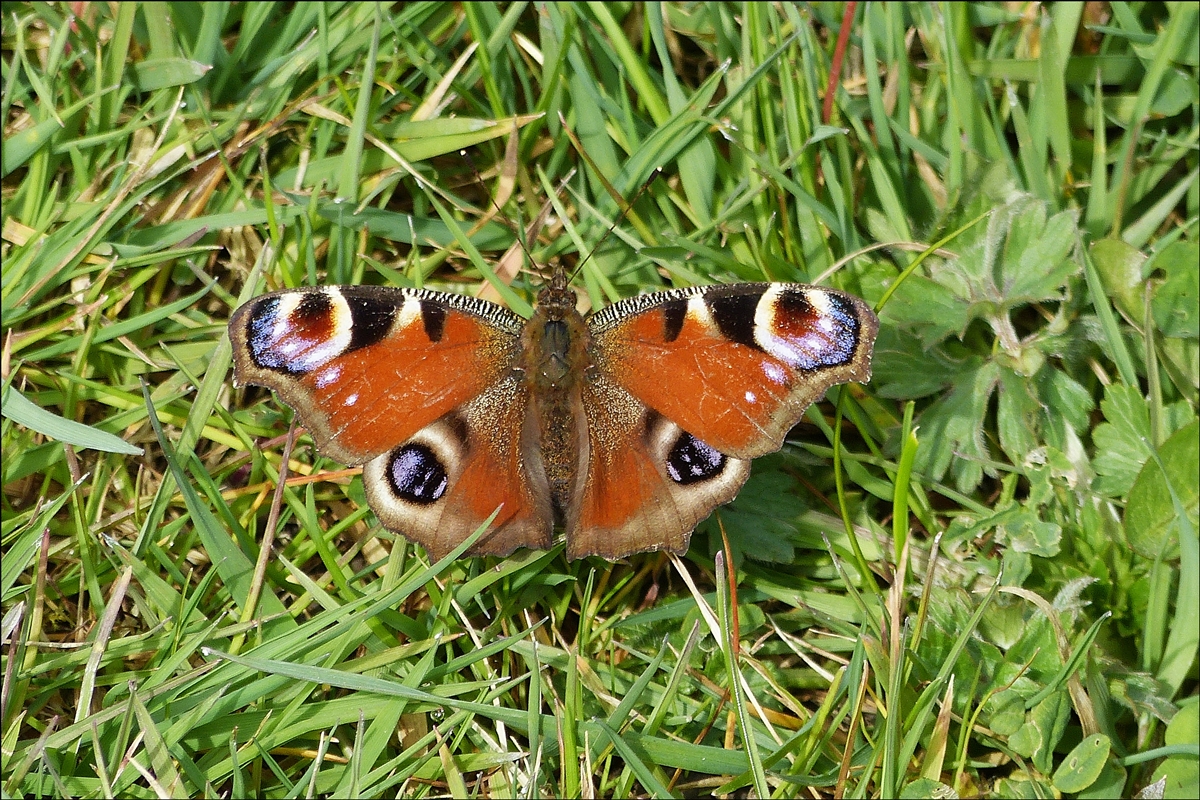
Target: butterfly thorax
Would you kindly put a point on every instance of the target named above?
(554, 342)
(554, 360)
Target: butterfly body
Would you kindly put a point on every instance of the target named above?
(624, 428)
(554, 366)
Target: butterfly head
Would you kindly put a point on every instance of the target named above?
(556, 338)
(556, 301)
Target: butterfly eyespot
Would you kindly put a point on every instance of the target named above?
(692, 461)
(260, 330)
(417, 475)
(298, 333)
(807, 329)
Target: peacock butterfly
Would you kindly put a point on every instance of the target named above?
(625, 428)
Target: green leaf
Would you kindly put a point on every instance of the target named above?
(934, 307)
(757, 522)
(927, 787)
(1022, 256)
(1026, 533)
(1006, 711)
(1035, 264)
(1120, 268)
(1122, 441)
(1063, 399)
(1176, 303)
(1182, 772)
(22, 410)
(1016, 416)
(1083, 764)
(1109, 783)
(160, 73)
(1019, 257)
(1184, 727)
(952, 429)
(1150, 518)
(1045, 725)
(19, 147)
(903, 369)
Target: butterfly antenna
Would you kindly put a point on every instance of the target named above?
(626, 209)
(521, 234)
(536, 225)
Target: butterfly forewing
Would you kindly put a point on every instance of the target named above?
(735, 365)
(367, 367)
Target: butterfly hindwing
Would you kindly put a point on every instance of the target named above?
(648, 482)
(444, 482)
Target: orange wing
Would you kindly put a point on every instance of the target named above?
(440, 485)
(737, 365)
(416, 385)
(647, 483)
(366, 367)
(686, 386)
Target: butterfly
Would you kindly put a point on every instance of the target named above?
(625, 428)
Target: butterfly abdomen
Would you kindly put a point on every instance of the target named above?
(554, 363)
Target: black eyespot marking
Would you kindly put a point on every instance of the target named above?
(734, 315)
(793, 304)
(692, 461)
(313, 309)
(674, 313)
(433, 314)
(370, 320)
(416, 474)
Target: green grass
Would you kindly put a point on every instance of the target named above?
(980, 571)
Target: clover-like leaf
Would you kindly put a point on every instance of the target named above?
(1176, 303)
(1083, 764)
(1150, 517)
(1122, 441)
(1022, 256)
(952, 429)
